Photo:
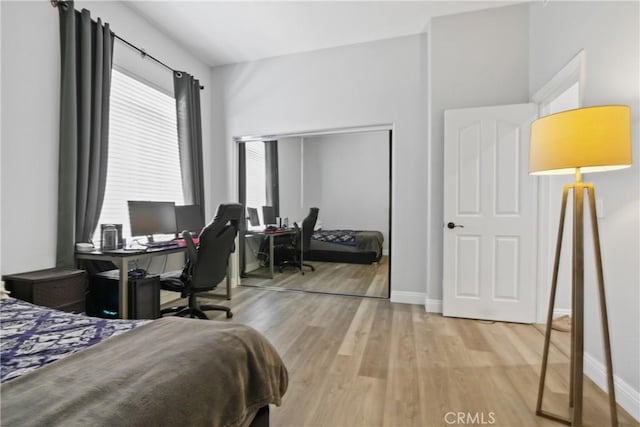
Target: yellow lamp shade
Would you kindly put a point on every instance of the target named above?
(594, 139)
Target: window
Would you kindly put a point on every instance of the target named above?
(256, 176)
(144, 161)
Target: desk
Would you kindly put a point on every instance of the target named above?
(122, 259)
(271, 235)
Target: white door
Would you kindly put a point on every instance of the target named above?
(490, 201)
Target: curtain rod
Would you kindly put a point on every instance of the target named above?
(64, 5)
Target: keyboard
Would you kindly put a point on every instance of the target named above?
(164, 244)
(183, 243)
(125, 251)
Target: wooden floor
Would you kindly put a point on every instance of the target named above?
(370, 280)
(368, 362)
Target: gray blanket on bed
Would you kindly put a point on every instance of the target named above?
(370, 241)
(172, 371)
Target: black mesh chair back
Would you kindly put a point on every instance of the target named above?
(216, 244)
(206, 264)
(302, 238)
(308, 224)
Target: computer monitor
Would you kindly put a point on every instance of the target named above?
(149, 218)
(189, 218)
(268, 215)
(254, 221)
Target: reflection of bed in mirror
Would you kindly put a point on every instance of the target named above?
(348, 246)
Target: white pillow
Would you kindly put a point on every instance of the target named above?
(316, 227)
(3, 292)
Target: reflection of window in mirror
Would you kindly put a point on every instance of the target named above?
(256, 175)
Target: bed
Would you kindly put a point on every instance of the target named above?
(349, 246)
(68, 369)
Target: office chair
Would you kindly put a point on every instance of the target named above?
(301, 241)
(206, 264)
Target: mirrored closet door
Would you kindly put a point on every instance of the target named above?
(318, 212)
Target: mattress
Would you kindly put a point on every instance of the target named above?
(350, 246)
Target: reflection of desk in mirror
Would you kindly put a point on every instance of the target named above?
(271, 235)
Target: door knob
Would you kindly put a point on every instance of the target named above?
(452, 225)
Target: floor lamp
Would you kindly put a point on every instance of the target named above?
(585, 140)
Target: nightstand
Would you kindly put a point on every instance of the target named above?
(59, 288)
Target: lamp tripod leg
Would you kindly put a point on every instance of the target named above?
(572, 349)
(578, 309)
(552, 300)
(577, 301)
(603, 306)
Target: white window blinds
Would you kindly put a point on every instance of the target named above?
(256, 176)
(144, 162)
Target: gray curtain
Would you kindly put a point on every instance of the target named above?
(187, 93)
(272, 182)
(242, 199)
(85, 81)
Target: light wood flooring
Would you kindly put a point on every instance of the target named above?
(370, 280)
(368, 362)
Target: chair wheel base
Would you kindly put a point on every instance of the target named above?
(195, 311)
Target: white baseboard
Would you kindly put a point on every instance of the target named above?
(254, 265)
(626, 396)
(433, 305)
(557, 312)
(235, 281)
(404, 297)
(385, 252)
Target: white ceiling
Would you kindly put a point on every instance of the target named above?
(237, 31)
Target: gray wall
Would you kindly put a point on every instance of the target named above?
(609, 33)
(0, 151)
(30, 84)
(29, 135)
(364, 84)
(347, 177)
(290, 178)
(477, 59)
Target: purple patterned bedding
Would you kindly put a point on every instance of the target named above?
(32, 336)
(341, 237)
